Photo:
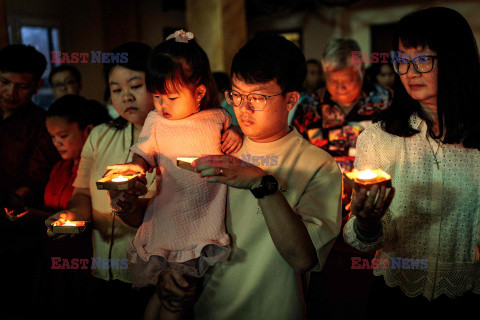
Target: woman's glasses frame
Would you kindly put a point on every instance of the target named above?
(415, 62)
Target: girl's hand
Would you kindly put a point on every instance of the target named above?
(125, 169)
(232, 140)
(230, 171)
(370, 208)
(62, 215)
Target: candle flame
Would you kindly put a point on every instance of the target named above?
(69, 223)
(366, 175)
(189, 160)
(119, 179)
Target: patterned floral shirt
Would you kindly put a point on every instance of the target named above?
(322, 121)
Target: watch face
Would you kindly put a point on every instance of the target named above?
(271, 184)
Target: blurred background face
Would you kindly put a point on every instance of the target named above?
(386, 76)
(129, 94)
(314, 77)
(64, 83)
(344, 86)
(67, 137)
(17, 89)
(421, 86)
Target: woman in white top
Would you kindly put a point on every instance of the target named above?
(428, 141)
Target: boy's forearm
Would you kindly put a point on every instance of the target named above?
(288, 232)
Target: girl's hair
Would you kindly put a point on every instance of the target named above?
(173, 65)
(136, 54)
(458, 77)
(79, 110)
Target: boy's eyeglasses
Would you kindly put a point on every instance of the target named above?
(422, 64)
(257, 102)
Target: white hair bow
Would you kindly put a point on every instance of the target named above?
(181, 36)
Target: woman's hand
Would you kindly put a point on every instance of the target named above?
(175, 293)
(232, 141)
(230, 171)
(370, 205)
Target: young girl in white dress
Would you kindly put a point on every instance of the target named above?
(183, 227)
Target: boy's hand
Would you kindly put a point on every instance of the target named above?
(231, 141)
(229, 170)
(125, 201)
(173, 290)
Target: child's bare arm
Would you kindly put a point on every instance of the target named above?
(138, 165)
(232, 139)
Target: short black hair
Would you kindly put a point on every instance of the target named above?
(79, 110)
(271, 57)
(137, 58)
(74, 71)
(19, 58)
(138, 54)
(175, 64)
(458, 77)
(222, 81)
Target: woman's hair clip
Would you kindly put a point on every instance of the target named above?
(181, 36)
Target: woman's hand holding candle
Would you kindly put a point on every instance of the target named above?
(369, 206)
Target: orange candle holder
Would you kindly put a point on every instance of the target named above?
(117, 182)
(68, 227)
(186, 163)
(367, 178)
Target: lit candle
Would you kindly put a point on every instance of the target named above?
(119, 179)
(367, 178)
(69, 223)
(189, 160)
(366, 175)
(117, 183)
(186, 163)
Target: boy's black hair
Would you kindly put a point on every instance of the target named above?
(74, 71)
(19, 58)
(79, 110)
(222, 81)
(271, 57)
(458, 77)
(137, 60)
(173, 65)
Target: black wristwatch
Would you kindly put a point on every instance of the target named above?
(269, 185)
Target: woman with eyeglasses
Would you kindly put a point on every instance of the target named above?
(427, 237)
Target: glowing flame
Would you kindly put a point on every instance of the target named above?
(189, 160)
(69, 223)
(366, 175)
(119, 179)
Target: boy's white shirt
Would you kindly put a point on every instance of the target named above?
(256, 282)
